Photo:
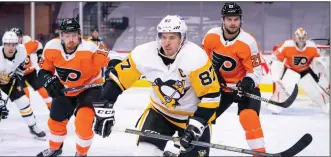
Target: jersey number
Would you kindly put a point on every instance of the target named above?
(207, 77)
(126, 65)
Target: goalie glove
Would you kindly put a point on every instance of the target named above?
(105, 120)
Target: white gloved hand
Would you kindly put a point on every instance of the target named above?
(171, 149)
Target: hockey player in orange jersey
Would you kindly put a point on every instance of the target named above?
(297, 60)
(69, 62)
(236, 59)
(34, 50)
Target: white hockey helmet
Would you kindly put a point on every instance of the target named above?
(26, 39)
(9, 37)
(172, 23)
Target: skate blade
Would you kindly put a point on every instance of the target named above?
(40, 138)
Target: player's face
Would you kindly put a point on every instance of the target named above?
(231, 24)
(95, 34)
(170, 43)
(20, 39)
(9, 49)
(70, 39)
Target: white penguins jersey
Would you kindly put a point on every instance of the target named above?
(187, 87)
(9, 65)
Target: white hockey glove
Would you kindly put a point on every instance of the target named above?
(105, 120)
(171, 149)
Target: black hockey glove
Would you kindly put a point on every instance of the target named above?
(105, 120)
(246, 84)
(53, 86)
(193, 131)
(39, 55)
(3, 109)
(111, 65)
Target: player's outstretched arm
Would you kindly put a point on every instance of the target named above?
(119, 77)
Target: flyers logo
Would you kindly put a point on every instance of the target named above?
(222, 62)
(68, 74)
(300, 60)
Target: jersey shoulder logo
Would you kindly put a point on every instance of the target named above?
(68, 74)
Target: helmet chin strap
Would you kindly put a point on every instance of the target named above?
(174, 55)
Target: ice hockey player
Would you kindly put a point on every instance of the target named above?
(185, 91)
(298, 60)
(12, 61)
(235, 56)
(34, 49)
(69, 62)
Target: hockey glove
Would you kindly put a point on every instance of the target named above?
(53, 86)
(111, 65)
(192, 132)
(171, 149)
(105, 120)
(3, 110)
(246, 84)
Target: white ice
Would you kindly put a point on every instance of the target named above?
(280, 131)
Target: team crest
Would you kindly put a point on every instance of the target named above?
(170, 91)
(202, 153)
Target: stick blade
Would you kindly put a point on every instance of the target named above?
(292, 97)
(298, 147)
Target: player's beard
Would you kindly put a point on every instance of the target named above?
(71, 46)
(231, 32)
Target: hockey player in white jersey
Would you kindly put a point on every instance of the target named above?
(184, 97)
(296, 61)
(12, 61)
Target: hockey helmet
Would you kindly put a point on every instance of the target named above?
(173, 23)
(231, 9)
(9, 37)
(70, 25)
(18, 31)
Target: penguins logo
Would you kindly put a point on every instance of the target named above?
(169, 92)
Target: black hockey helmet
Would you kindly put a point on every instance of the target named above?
(231, 9)
(18, 31)
(95, 29)
(69, 25)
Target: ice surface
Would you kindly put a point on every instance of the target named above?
(280, 131)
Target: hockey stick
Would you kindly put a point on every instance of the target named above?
(301, 144)
(287, 103)
(82, 87)
(10, 91)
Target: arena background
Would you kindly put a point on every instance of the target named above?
(124, 25)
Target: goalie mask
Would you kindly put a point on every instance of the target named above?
(300, 37)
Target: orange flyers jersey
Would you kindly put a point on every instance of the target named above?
(295, 59)
(234, 59)
(77, 69)
(31, 62)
